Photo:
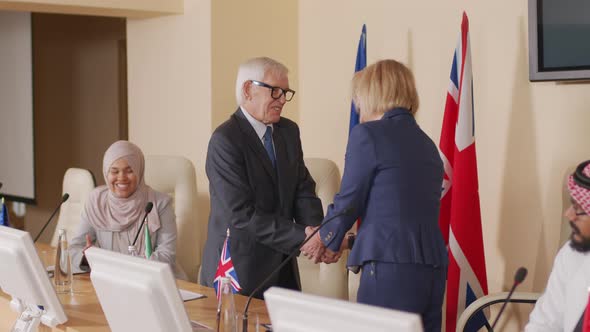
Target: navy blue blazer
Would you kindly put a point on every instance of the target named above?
(392, 178)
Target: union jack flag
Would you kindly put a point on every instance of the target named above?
(225, 268)
(460, 218)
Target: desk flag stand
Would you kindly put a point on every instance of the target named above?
(3, 213)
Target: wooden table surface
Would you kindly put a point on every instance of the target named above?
(85, 313)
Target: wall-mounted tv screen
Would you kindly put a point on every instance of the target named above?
(559, 40)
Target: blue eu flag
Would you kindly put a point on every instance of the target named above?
(3, 214)
(361, 62)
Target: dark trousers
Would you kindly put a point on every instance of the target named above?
(287, 277)
(408, 287)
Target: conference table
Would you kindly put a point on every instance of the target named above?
(85, 313)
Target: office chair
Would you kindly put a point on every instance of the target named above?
(329, 280)
(78, 183)
(175, 175)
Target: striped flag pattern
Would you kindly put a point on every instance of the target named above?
(460, 218)
(148, 243)
(225, 268)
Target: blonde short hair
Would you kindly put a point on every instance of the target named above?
(256, 69)
(384, 85)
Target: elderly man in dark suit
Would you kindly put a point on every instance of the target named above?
(260, 189)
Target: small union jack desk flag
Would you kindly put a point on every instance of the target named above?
(225, 268)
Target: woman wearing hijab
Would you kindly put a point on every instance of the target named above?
(113, 212)
(392, 181)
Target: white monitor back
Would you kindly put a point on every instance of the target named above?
(136, 294)
(23, 276)
(292, 311)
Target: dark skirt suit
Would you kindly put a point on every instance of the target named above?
(393, 178)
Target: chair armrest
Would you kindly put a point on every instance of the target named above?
(488, 300)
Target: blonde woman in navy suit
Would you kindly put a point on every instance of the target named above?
(392, 179)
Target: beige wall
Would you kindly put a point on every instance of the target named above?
(169, 87)
(246, 29)
(169, 90)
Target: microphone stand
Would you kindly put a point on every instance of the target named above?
(148, 209)
(63, 199)
(346, 211)
(518, 278)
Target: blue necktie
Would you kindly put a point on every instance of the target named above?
(267, 138)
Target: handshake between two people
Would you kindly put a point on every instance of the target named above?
(316, 251)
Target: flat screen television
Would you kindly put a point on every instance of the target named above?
(559, 34)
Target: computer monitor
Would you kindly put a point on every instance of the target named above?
(23, 277)
(292, 311)
(136, 294)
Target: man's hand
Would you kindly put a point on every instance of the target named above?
(314, 248)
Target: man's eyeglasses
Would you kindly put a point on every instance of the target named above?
(275, 91)
(578, 210)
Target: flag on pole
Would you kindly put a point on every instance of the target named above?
(148, 243)
(3, 214)
(460, 218)
(586, 318)
(225, 268)
(583, 324)
(361, 62)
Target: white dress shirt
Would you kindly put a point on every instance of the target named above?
(259, 127)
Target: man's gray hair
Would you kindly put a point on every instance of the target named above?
(255, 69)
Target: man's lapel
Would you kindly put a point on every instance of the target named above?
(283, 172)
(254, 143)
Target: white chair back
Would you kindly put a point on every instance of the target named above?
(78, 183)
(324, 279)
(175, 175)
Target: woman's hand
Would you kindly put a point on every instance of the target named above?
(329, 256)
(88, 243)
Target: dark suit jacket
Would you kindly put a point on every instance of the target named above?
(266, 210)
(393, 178)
